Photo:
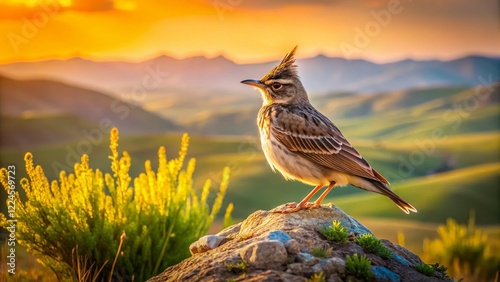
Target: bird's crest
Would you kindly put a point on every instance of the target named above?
(285, 69)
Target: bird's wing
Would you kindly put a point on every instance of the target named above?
(313, 135)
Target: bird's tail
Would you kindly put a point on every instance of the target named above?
(381, 188)
(384, 190)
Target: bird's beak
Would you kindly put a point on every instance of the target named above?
(253, 82)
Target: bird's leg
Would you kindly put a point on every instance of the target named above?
(320, 199)
(303, 204)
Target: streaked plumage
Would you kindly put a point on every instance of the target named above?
(304, 145)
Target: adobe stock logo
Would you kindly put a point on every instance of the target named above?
(31, 26)
(363, 37)
(452, 120)
(223, 6)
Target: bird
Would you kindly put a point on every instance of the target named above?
(304, 145)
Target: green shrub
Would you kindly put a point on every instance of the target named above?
(317, 277)
(336, 232)
(425, 269)
(464, 249)
(373, 245)
(321, 252)
(102, 225)
(359, 267)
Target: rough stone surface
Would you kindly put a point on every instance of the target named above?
(277, 247)
(299, 269)
(277, 235)
(265, 254)
(330, 266)
(292, 246)
(307, 259)
(385, 274)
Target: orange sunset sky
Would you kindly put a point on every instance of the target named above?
(247, 31)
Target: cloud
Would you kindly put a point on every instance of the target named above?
(16, 10)
(92, 5)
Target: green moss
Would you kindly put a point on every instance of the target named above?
(373, 245)
(425, 269)
(321, 252)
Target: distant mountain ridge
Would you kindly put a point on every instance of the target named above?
(320, 74)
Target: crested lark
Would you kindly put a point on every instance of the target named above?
(305, 145)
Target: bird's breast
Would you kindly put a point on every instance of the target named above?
(290, 164)
(264, 121)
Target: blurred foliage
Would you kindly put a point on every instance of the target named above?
(317, 277)
(465, 250)
(106, 226)
(228, 219)
(26, 267)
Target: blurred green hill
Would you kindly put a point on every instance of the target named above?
(440, 147)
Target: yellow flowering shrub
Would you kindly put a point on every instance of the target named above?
(75, 224)
(464, 250)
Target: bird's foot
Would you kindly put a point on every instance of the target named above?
(294, 207)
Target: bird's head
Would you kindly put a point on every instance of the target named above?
(282, 84)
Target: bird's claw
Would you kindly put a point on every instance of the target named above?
(294, 207)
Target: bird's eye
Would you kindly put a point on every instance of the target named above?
(276, 85)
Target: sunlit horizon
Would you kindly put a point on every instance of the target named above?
(246, 32)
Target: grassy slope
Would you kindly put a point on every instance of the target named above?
(351, 105)
(41, 127)
(254, 186)
(399, 115)
(465, 149)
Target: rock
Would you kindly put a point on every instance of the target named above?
(292, 246)
(300, 269)
(270, 246)
(277, 235)
(231, 230)
(330, 266)
(206, 243)
(334, 278)
(307, 259)
(384, 274)
(265, 254)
